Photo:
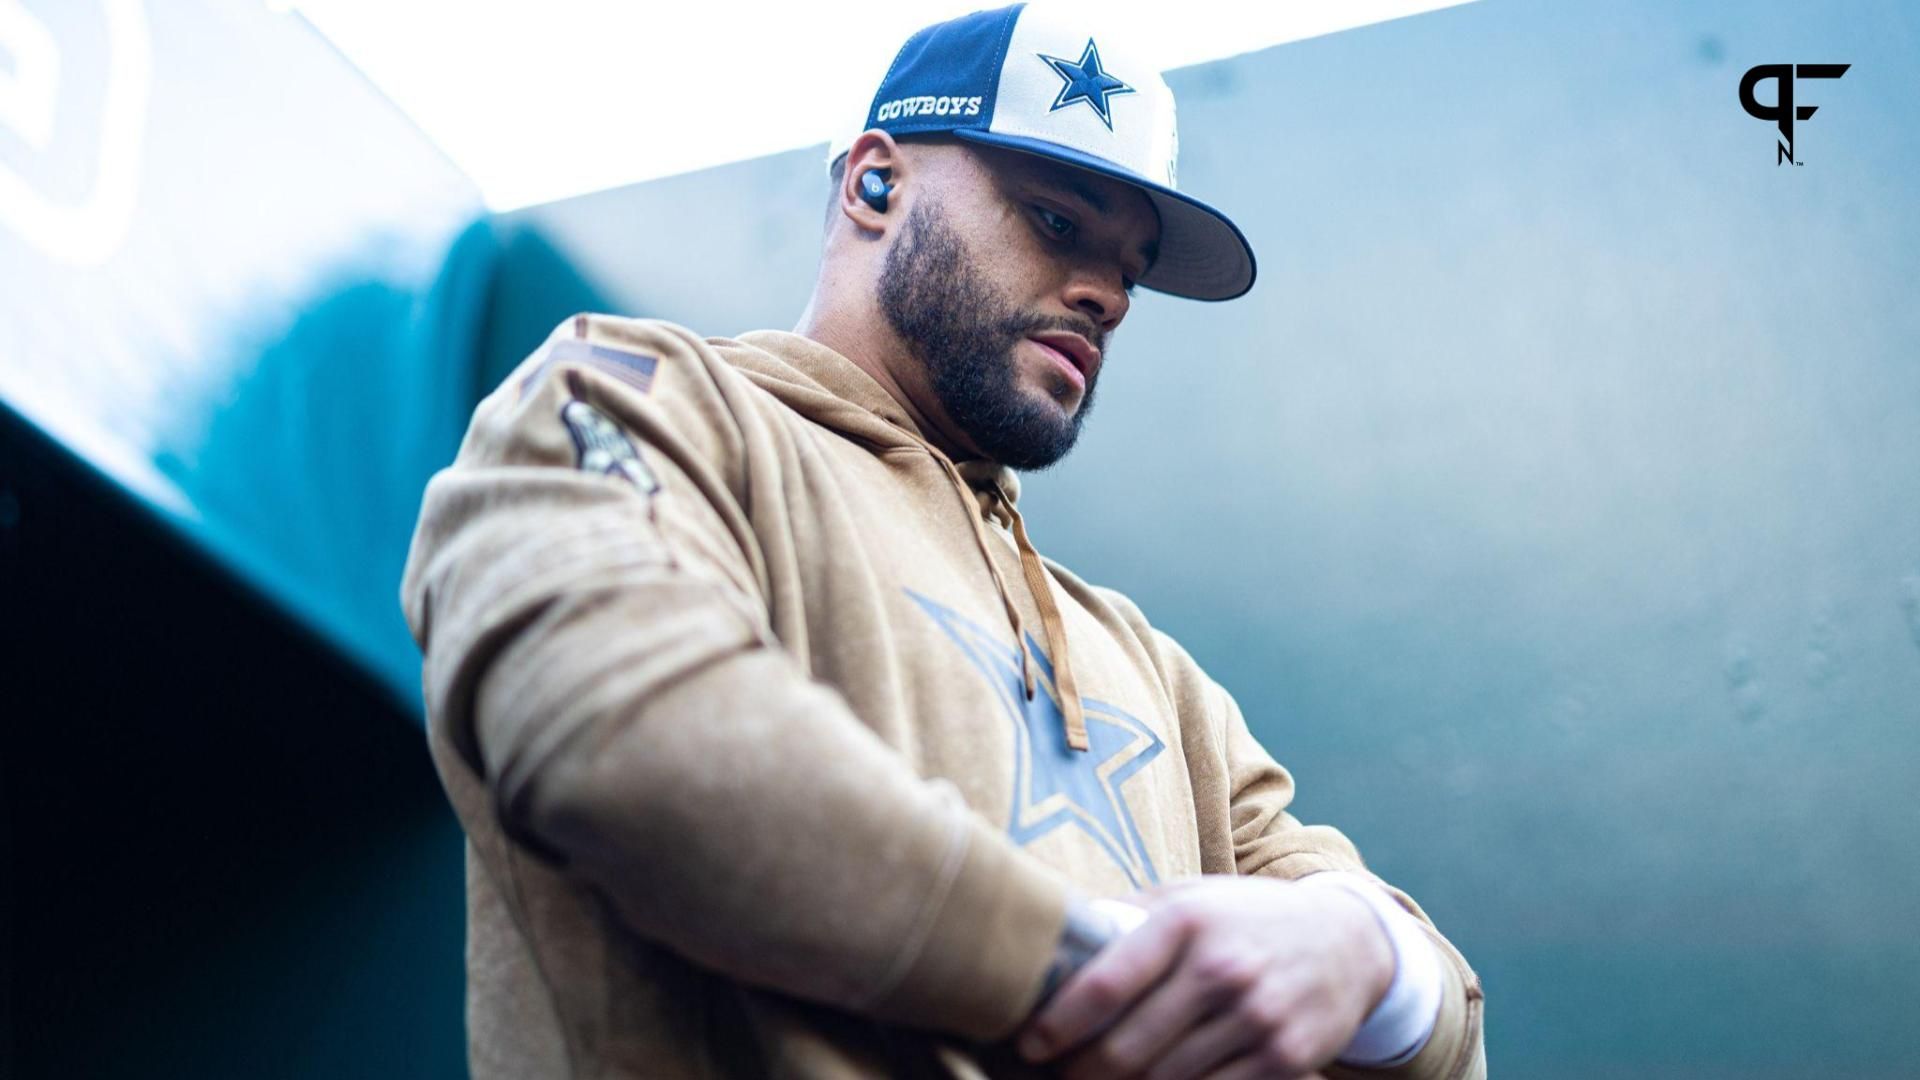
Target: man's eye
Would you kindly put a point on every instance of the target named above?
(1128, 284)
(1055, 223)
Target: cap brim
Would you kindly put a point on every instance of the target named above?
(1203, 255)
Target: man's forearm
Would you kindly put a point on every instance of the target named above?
(1089, 926)
(740, 814)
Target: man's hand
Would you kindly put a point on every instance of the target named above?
(1229, 977)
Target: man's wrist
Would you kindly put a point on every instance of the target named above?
(1380, 960)
(1403, 1019)
(1091, 924)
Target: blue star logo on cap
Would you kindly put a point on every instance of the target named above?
(1086, 81)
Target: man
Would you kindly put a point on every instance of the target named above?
(779, 747)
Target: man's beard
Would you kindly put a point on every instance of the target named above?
(953, 321)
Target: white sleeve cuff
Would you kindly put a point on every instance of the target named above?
(1400, 1025)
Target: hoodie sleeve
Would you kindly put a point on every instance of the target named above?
(587, 591)
(1268, 839)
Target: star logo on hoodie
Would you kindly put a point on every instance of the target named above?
(1055, 786)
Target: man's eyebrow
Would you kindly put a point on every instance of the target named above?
(1087, 194)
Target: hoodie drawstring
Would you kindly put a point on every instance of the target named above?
(1066, 688)
(1064, 684)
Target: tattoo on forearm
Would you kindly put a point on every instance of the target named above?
(1086, 932)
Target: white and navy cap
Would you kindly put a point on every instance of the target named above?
(1031, 80)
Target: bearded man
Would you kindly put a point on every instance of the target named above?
(779, 748)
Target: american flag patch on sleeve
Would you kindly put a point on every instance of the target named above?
(634, 369)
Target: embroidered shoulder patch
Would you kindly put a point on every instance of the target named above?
(603, 448)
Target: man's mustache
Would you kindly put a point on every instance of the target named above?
(1040, 324)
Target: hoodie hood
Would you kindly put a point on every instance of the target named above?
(834, 392)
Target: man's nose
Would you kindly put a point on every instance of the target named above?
(1100, 294)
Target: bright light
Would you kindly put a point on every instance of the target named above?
(541, 101)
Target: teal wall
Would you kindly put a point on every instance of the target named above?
(244, 307)
(1550, 505)
(275, 346)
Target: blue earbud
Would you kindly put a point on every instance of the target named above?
(874, 189)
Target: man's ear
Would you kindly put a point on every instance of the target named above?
(873, 150)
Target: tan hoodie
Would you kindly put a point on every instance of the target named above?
(727, 675)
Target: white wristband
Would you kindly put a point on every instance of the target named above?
(1400, 1025)
(1125, 916)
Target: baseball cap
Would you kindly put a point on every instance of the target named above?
(1046, 83)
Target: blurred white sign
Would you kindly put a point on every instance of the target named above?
(84, 230)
